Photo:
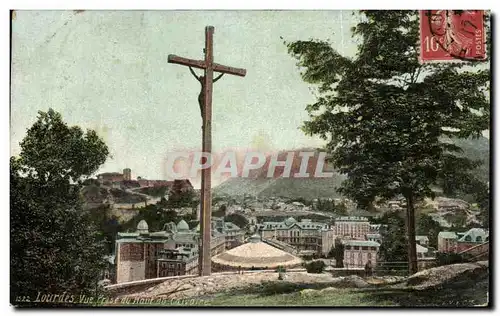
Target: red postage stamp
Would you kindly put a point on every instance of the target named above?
(451, 35)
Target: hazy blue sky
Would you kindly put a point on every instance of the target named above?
(108, 70)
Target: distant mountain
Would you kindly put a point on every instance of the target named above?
(477, 149)
(258, 184)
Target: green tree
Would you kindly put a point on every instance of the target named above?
(337, 252)
(428, 227)
(384, 114)
(108, 226)
(237, 219)
(221, 212)
(317, 266)
(155, 215)
(55, 245)
(394, 247)
(341, 209)
(180, 195)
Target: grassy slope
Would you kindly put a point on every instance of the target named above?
(342, 297)
(474, 294)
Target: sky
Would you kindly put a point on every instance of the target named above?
(108, 71)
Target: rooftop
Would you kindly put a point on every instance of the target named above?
(474, 235)
(291, 222)
(362, 243)
(351, 219)
(447, 235)
(256, 254)
(421, 237)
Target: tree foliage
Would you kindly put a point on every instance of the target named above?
(384, 115)
(337, 252)
(317, 266)
(155, 215)
(394, 247)
(108, 226)
(237, 219)
(55, 246)
(428, 227)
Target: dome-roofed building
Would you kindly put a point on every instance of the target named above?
(254, 254)
(289, 221)
(142, 227)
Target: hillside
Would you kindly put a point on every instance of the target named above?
(94, 195)
(477, 149)
(258, 184)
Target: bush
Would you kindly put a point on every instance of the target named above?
(451, 258)
(273, 288)
(315, 266)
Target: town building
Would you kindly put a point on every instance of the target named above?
(422, 240)
(306, 236)
(459, 242)
(172, 251)
(127, 174)
(374, 237)
(124, 180)
(424, 252)
(357, 253)
(179, 261)
(447, 242)
(377, 228)
(353, 227)
(234, 235)
(110, 177)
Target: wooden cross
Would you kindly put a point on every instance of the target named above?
(205, 100)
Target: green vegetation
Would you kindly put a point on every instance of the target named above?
(337, 252)
(237, 219)
(221, 212)
(451, 258)
(317, 266)
(155, 215)
(158, 191)
(55, 246)
(428, 227)
(329, 206)
(394, 248)
(282, 293)
(108, 226)
(339, 298)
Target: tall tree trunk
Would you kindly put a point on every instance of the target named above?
(410, 227)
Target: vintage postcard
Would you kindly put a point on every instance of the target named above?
(250, 158)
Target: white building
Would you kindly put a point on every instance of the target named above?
(358, 252)
(353, 227)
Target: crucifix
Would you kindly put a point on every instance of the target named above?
(205, 102)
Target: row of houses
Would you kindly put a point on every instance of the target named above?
(317, 239)
(361, 239)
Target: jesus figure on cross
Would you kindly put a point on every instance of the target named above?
(201, 96)
(205, 102)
